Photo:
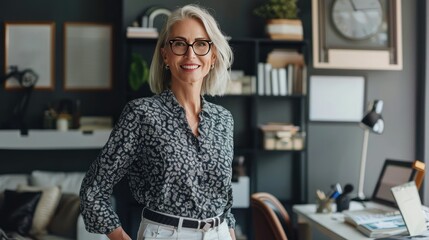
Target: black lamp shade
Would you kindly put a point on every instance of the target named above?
(373, 119)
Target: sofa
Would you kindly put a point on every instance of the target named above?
(42, 205)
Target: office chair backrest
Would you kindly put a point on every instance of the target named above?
(270, 218)
(419, 167)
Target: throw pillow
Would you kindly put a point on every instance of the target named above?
(11, 181)
(64, 222)
(45, 209)
(18, 210)
(69, 182)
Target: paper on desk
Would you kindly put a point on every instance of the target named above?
(421, 236)
(408, 200)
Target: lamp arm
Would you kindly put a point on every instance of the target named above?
(361, 195)
(13, 71)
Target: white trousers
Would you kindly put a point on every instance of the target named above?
(150, 230)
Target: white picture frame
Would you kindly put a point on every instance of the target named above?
(30, 45)
(87, 56)
(337, 98)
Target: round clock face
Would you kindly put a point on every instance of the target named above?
(357, 19)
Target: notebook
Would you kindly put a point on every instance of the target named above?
(382, 205)
(408, 199)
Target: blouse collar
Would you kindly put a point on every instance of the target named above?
(173, 104)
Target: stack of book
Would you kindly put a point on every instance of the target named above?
(278, 136)
(375, 222)
(284, 73)
(241, 84)
(384, 227)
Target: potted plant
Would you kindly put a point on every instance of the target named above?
(139, 72)
(282, 19)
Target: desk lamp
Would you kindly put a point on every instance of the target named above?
(371, 122)
(27, 79)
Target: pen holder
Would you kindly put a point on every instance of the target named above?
(343, 202)
(325, 205)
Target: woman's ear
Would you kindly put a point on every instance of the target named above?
(213, 58)
(164, 55)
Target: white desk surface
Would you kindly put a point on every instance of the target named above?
(330, 224)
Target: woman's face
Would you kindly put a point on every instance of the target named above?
(188, 67)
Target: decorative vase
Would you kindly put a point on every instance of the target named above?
(285, 29)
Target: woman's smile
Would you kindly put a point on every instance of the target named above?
(189, 66)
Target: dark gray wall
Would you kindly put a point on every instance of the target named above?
(59, 12)
(235, 17)
(335, 148)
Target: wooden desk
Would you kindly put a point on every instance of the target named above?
(330, 224)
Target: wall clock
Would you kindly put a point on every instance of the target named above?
(357, 34)
(357, 19)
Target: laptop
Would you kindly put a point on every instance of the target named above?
(393, 173)
(382, 204)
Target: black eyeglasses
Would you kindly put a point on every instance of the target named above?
(200, 47)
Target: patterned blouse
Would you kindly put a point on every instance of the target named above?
(169, 169)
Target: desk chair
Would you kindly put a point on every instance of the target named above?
(270, 218)
(419, 167)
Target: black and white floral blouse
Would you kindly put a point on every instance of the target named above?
(170, 170)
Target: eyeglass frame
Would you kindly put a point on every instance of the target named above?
(171, 41)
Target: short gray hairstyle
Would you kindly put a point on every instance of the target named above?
(216, 81)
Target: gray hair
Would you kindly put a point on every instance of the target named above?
(216, 81)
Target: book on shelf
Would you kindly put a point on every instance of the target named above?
(261, 73)
(304, 80)
(290, 76)
(282, 81)
(267, 79)
(383, 227)
(275, 88)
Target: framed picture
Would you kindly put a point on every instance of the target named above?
(87, 56)
(30, 46)
(357, 34)
(337, 98)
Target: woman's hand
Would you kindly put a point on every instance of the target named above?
(118, 234)
(232, 232)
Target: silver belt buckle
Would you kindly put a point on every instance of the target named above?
(207, 226)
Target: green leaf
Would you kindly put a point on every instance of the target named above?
(139, 72)
(276, 9)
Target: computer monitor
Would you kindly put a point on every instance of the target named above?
(394, 173)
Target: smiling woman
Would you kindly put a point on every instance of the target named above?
(188, 67)
(176, 147)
